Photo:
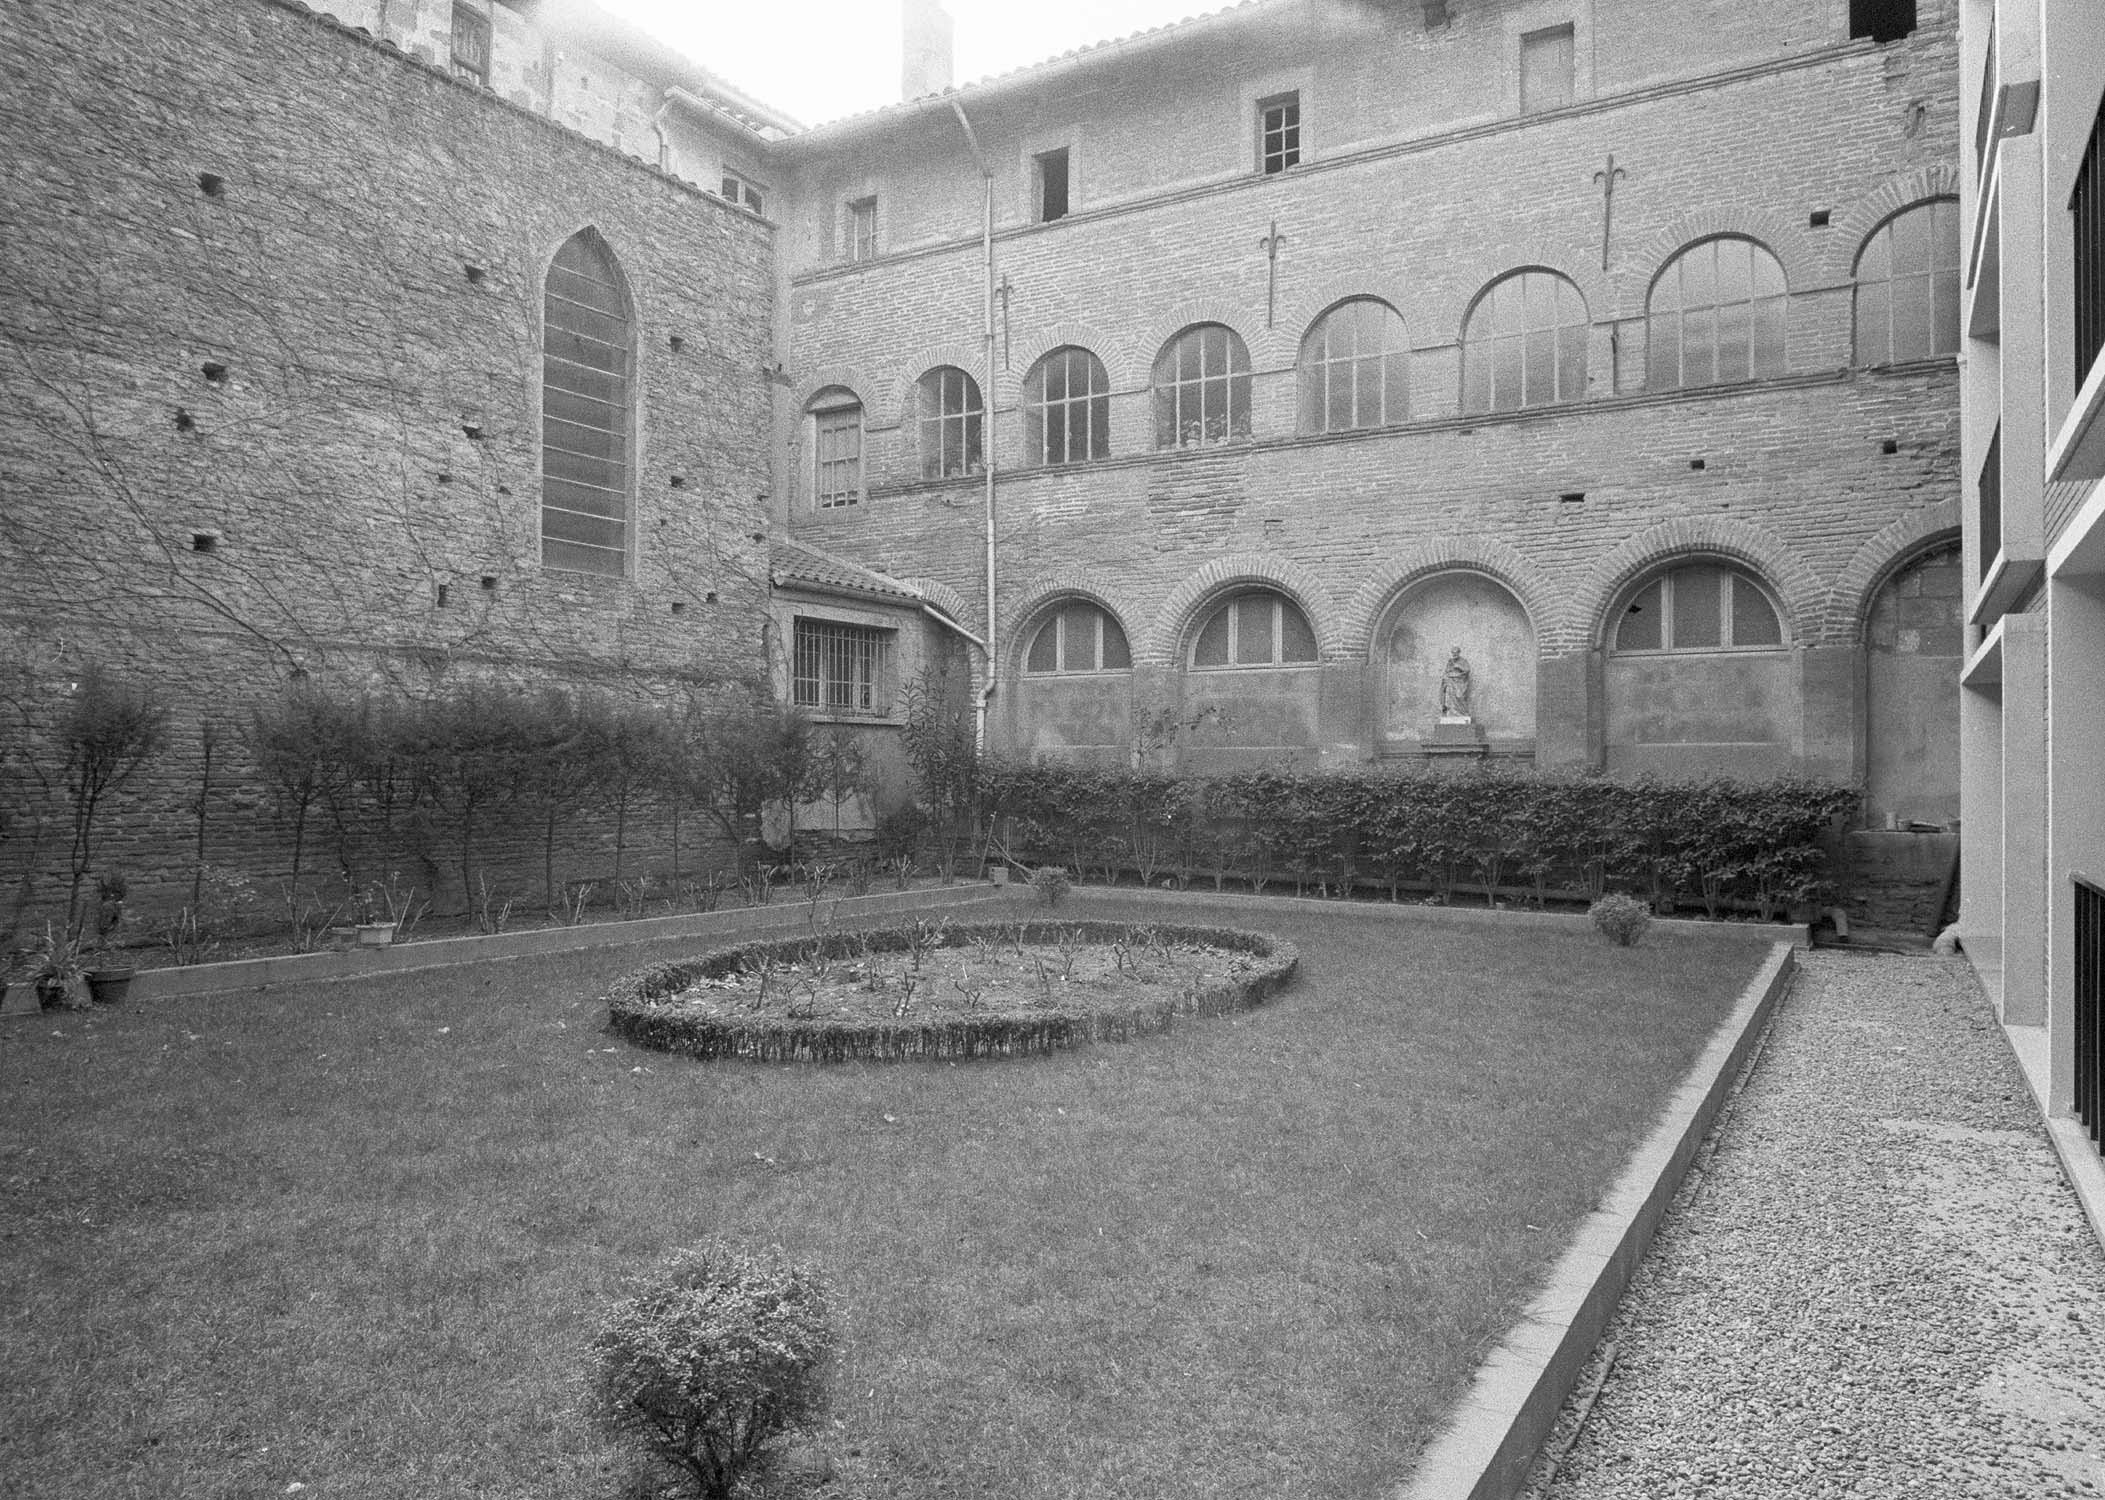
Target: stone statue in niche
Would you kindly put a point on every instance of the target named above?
(1455, 686)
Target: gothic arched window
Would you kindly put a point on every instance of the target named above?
(587, 355)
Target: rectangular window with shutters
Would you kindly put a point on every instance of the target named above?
(843, 669)
(1546, 69)
(837, 456)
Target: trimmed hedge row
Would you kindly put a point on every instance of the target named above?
(1719, 842)
(636, 1012)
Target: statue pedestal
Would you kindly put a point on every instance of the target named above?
(1455, 735)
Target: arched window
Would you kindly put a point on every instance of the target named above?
(1699, 607)
(1355, 368)
(1907, 286)
(950, 423)
(586, 354)
(1524, 344)
(1202, 388)
(1715, 315)
(1078, 637)
(1255, 629)
(1066, 408)
(836, 447)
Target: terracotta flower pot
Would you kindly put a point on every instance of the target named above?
(111, 985)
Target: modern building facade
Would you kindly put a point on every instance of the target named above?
(2032, 197)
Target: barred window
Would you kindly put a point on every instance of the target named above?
(1700, 608)
(1716, 315)
(836, 448)
(950, 423)
(585, 361)
(1524, 344)
(1256, 629)
(1079, 637)
(1066, 408)
(842, 669)
(1907, 286)
(1355, 368)
(1202, 388)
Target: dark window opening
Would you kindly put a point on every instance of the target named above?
(1052, 185)
(1881, 20)
(471, 45)
(1279, 132)
(862, 229)
(2086, 206)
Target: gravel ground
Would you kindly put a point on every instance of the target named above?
(1877, 1283)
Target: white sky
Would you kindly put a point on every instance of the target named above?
(821, 59)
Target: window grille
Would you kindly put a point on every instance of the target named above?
(1067, 408)
(2086, 205)
(1202, 388)
(471, 44)
(586, 344)
(950, 423)
(1254, 630)
(1716, 315)
(1355, 368)
(1524, 344)
(1907, 286)
(842, 669)
(1702, 608)
(1078, 638)
(836, 454)
(1279, 132)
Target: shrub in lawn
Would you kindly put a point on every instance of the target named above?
(1623, 918)
(713, 1358)
(1051, 884)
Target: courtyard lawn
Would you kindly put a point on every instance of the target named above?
(354, 1236)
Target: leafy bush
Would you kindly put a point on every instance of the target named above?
(712, 1359)
(1623, 918)
(1051, 884)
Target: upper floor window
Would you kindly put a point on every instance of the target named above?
(1703, 607)
(471, 44)
(1907, 286)
(1716, 314)
(1079, 637)
(2086, 208)
(1255, 629)
(1881, 20)
(836, 448)
(1066, 408)
(1049, 184)
(1355, 368)
(1279, 132)
(1202, 388)
(842, 669)
(950, 423)
(1546, 68)
(1524, 344)
(741, 192)
(586, 353)
(862, 229)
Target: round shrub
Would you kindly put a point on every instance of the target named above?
(711, 1360)
(1051, 884)
(1623, 918)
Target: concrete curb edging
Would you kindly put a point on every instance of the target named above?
(1490, 1442)
(439, 953)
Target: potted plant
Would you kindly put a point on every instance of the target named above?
(109, 978)
(61, 978)
(374, 931)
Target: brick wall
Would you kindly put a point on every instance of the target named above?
(329, 368)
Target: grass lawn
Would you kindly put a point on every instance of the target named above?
(354, 1236)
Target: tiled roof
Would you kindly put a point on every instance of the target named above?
(793, 562)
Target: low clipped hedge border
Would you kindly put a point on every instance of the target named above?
(776, 1038)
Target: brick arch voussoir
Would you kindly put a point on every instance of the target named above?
(1053, 588)
(967, 356)
(1694, 538)
(1502, 563)
(1174, 619)
(1196, 310)
(1298, 313)
(953, 604)
(1771, 230)
(851, 378)
(1581, 267)
(1854, 225)
(1113, 354)
(1874, 564)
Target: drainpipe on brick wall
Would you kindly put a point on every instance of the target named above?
(986, 442)
(664, 143)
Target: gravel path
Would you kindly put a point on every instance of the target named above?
(1878, 1283)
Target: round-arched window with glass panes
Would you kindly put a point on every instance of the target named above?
(1202, 388)
(1355, 368)
(1524, 344)
(1716, 315)
(1077, 637)
(1699, 607)
(1907, 286)
(1254, 629)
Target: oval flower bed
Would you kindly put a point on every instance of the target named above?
(930, 990)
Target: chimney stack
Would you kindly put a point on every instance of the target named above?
(924, 56)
